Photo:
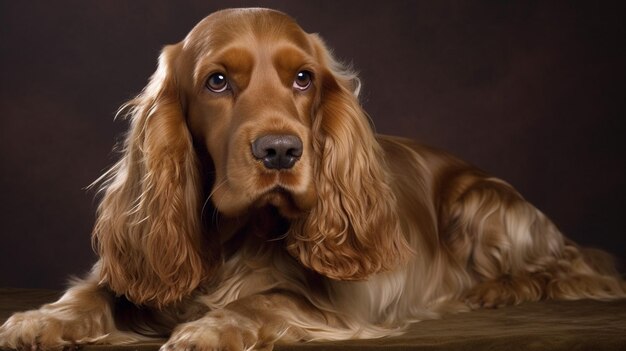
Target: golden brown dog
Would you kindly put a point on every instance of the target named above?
(253, 204)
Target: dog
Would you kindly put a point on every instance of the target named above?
(253, 204)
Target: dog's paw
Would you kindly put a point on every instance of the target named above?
(219, 330)
(488, 296)
(37, 330)
(507, 290)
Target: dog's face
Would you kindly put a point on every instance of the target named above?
(250, 88)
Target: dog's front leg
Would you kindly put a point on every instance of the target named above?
(252, 323)
(82, 315)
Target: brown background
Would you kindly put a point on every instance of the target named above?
(530, 91)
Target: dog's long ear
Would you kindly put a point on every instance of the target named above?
(354, 230)
(148, 232)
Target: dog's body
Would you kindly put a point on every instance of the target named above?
(254, 205)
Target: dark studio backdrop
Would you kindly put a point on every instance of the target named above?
(531, 91)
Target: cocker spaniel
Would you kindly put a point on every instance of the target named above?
(254, 204)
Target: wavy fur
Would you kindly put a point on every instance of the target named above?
(148, 233)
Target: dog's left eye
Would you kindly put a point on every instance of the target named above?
(303, 80)
(217, 83)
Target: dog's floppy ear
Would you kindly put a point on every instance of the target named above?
(148, 232)
(354, 230)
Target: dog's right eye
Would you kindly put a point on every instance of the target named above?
(217, 83)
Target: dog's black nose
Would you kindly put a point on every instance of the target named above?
(277, 151)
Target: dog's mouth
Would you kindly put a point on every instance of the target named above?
(291, 192)
(287, 204)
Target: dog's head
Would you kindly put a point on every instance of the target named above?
(259, 110)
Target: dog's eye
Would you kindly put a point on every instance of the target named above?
(302, 81)
(217, 83)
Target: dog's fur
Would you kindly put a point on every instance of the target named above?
(201, 242)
